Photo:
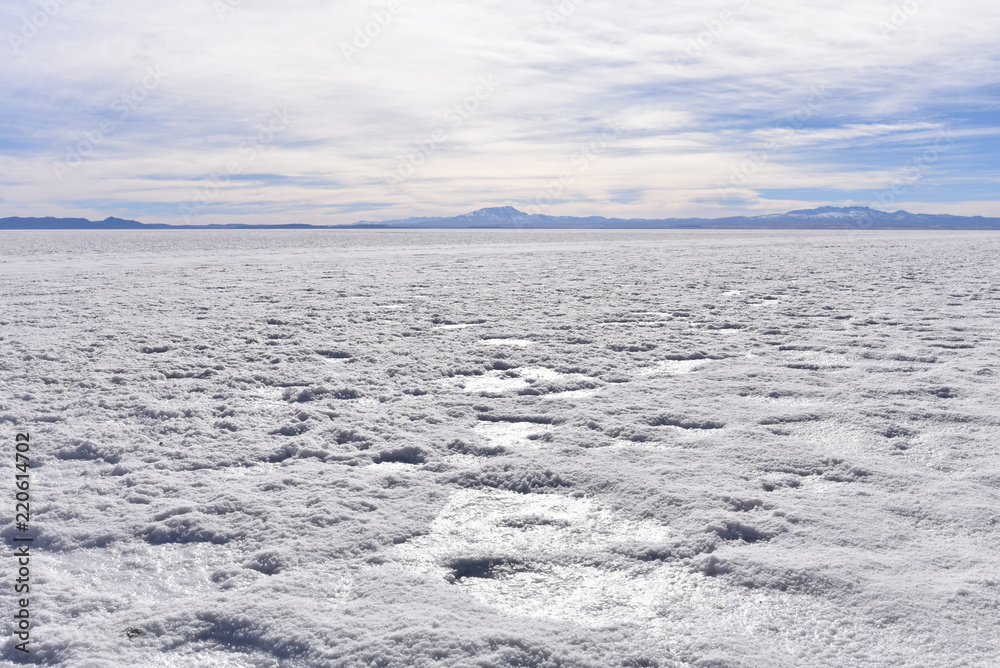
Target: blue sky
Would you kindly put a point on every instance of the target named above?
(214, 111)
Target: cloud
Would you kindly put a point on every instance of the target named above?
(691, 87)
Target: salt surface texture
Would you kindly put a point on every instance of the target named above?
(517, 448)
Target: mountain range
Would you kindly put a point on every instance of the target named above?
(507, 217)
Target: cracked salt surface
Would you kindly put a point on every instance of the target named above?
(621, 466)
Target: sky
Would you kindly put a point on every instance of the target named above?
(245, 111)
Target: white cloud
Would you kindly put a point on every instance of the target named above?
(683, 112)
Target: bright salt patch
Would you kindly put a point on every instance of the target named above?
(822, 358)
(459, 326)
(493, 383)
(509, 434)
(520, 343)
(267, 396)
(784, 401)
(841, 439)
(209, 659)
(541, 373)
(543, 537)
(675, 367)
(498, 382)
(571, 394)
(144, 572)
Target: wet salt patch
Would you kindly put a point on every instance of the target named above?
(459, 326)
(496, 382)
(520, 343)
(541, 373)
(783, 401)
(690, 433)
(208, 659)
(837, 437)
(510, 434)
(826, 361)
(582, 594)
(152, 573)
(544, 537)
(674, 367)
(625, 444)
(267, 395)
(571, 394)
(395, 467)
(820, 356)
(493, 383)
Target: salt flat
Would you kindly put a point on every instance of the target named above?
(507, 448)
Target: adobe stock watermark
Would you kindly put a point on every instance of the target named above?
(247, 152)
(900, 16)
(363, 36)
(455, 117)
(562, 12)
(748, 168)
(33, 25)
(580, 162)
(123, 105)
(715, 28)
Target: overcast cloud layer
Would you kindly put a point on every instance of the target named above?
(214, 111)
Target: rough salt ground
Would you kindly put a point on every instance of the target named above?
(518, 448)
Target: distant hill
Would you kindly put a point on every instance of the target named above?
(827, 217)
(51, 223)
(507, 217)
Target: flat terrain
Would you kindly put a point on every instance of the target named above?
(505, 448)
